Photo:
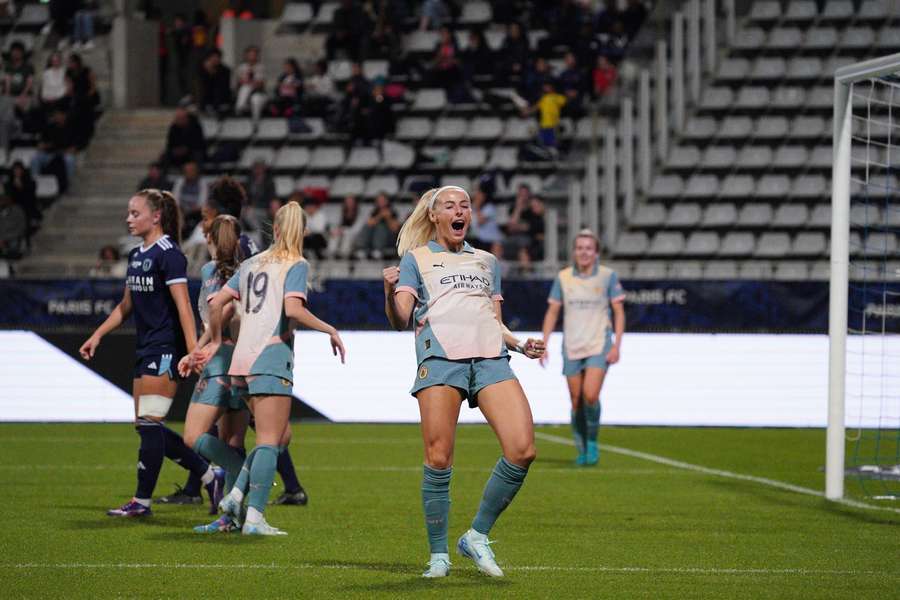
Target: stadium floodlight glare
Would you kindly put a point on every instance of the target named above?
(866, 154)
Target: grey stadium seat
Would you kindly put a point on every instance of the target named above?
(857, 38)
(807, 128)
(631, 244)
(485, 129)
(702, 243)
(804, 68)
(749, 38)
(737, 243)
(684, 215)
(788, 98)
(382, 183)
(736, 128)
(413, 128)
(820, 38)
(892, 216)
(704, 187)
(834, 63)
(448, 129)
(733, 69)
(421, 41)
(476, 13)
(872, 10)
(430, 100)
(754, 157)
(771, 128)
(784, 38)
(755, 214)
(767, 10)
(666, 186)
(888, 39)
(33, 15)
(297, 14)
(253, 154)
(791, 270)
(314, 181)
(686, 269)
(865, 271)
(238, 130)
(880, 244)
(518, 130)
(809, 243)
(773, 245)
(292, 157)
(683, 157)
(752, 98)
(809, 187)
(650, 269)
(284, 185)
(363, 158)
(719, 215)
(820, 271)
(773, 187)
(327, 158)
(316, 128)
(46, 187)
(347, 185)
(325, 16)
(720, 269)
(469, 157)
(791, 157)
(210, 128)
(717, 99)
(837, 10)
(755, 269)
(820, 216)
(700, 129)
(801, 11)
(864, 215)
(820, 157)
(791, 215)
(821, 97)
(504, 157)
(768, 69)
(737, 187)
(649, 215)
(271, 130)
(373, 69)
(666, 243)
(718, 157)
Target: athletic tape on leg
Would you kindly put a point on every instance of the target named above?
(153, 405)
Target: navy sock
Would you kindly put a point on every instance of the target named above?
(436, 502)
(178, 452)
(150, 457)
(242, 452)
(287, 472)
(500, 490)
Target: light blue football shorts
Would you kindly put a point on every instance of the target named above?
(577, 365)
(263, 385)
(469, 376)
(218, 391)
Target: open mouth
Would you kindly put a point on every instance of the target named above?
(458, 225)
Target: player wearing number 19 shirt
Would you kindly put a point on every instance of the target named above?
(156, 294)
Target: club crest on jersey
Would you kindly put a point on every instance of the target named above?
(423, 372)
(147, 264)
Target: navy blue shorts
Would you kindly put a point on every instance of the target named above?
(157, 365)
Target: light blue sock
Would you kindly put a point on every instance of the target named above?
(262, 474)
(578, 428)
(436, 502)
(592, 416)
(500, 490)
(243, 479)
(217, 451)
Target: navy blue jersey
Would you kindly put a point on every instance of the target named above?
(150, 273)
(248, 247)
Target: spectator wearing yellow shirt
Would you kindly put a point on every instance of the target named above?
(548, 107)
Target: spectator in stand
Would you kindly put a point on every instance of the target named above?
(190, 192)
(214, 85)
(435, 13)
(349, 32)
(260, 190)
(54, 93)
(182, 47)
(61, 14)
(185, 141)
(85, 100)
(532, 84)
(486, 230)
(477, 58)
(289, 91)
(526, 228)
(357, 93)
(109, 264)
(549, 109)
(633, 17)
(614, 44)
(23, 190)
(572, 84)
(56, 144)
(604, 76)
(315, 240)
(562, 19)
(319, 92)
(343, 235)
(251, 85)
(13, 228)
(83, 26)
(155, 179)
(515, 53)
(445, 68)
(377, 116)
(379, 235)
(18, 78)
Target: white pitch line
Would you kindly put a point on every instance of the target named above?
(717, 472)
(524, 568)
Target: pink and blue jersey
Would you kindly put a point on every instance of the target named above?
(455, 294)
(150, 273)
(265, 345)
(588, 314)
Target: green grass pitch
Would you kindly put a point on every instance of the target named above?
(630, 528)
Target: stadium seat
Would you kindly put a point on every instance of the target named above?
(768, 69)
(808, 128)
(804, 69)
(284, 185)
(790, 157)
(651, 215)
(872, 11)
(297, 14)
(865, 215)
(733, 70)
(23, 154)
(773, 244)
(791, 215)
(857, 38)
(314, 181)
(720, 215)
(771, 128)
(835, 62)
(865, 271)
(46, 187)
(685, 269)
(413, 128)
(316, 128)
(291, 158)
(802, 11)
(892, 217)
(666, 243)
(519, 130)
(820, 39)
(784, 38)
(718, 158)
(430, 100)
(765, 11)
(717, 99)
(382, 183)
(702, 243)
(773, 187)
(450, 129)
(421, 42)
(754, 158)
(325, 16)
(631, 244)
(327, 158)
(737, 187)
(755, 269)
(666, 187)
(253, 154)
(340, 70)
(485, 129)
(736, 128)
(684, 215)
(837, 11)
(33, 16)
(737, 243)
(347, 185)
(820, 216)
(271, 130)
(210, 128)
(476, 13)
(650, 269)
(878, 244)
(808, 244)
(752, 98)
(701, 187)
(683, 157)
(788, 98)
(749, 39)
(700, 129)
(363, 158)
(373, 69)
(809, 187)
(820, 157)
(821, 97)
(888, 39)
(722, 270)
(504, 157)
(236, 130)
(755, 214)
(469, 158)
(791, 270)
(820, 270)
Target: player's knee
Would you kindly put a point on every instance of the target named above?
(523, 456)
(438, 456)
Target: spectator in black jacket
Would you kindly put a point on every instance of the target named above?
(351, 28)
(214, 85)
(56, 144)
(155, 179)
(22, 189)
(185, 141)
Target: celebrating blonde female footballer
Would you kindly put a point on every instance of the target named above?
(592, 296)
(270, 289)
(454, 293)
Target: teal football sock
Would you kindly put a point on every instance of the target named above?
(243, 478)
(217, 451)
(262, 474)
(579, 428)
(500, 490)
(592, 416)
(436, 502)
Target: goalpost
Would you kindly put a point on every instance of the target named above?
(864, 310)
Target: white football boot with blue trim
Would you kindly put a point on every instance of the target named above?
(476, 546)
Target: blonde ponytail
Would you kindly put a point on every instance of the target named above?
(288, 226)
(418, 229)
